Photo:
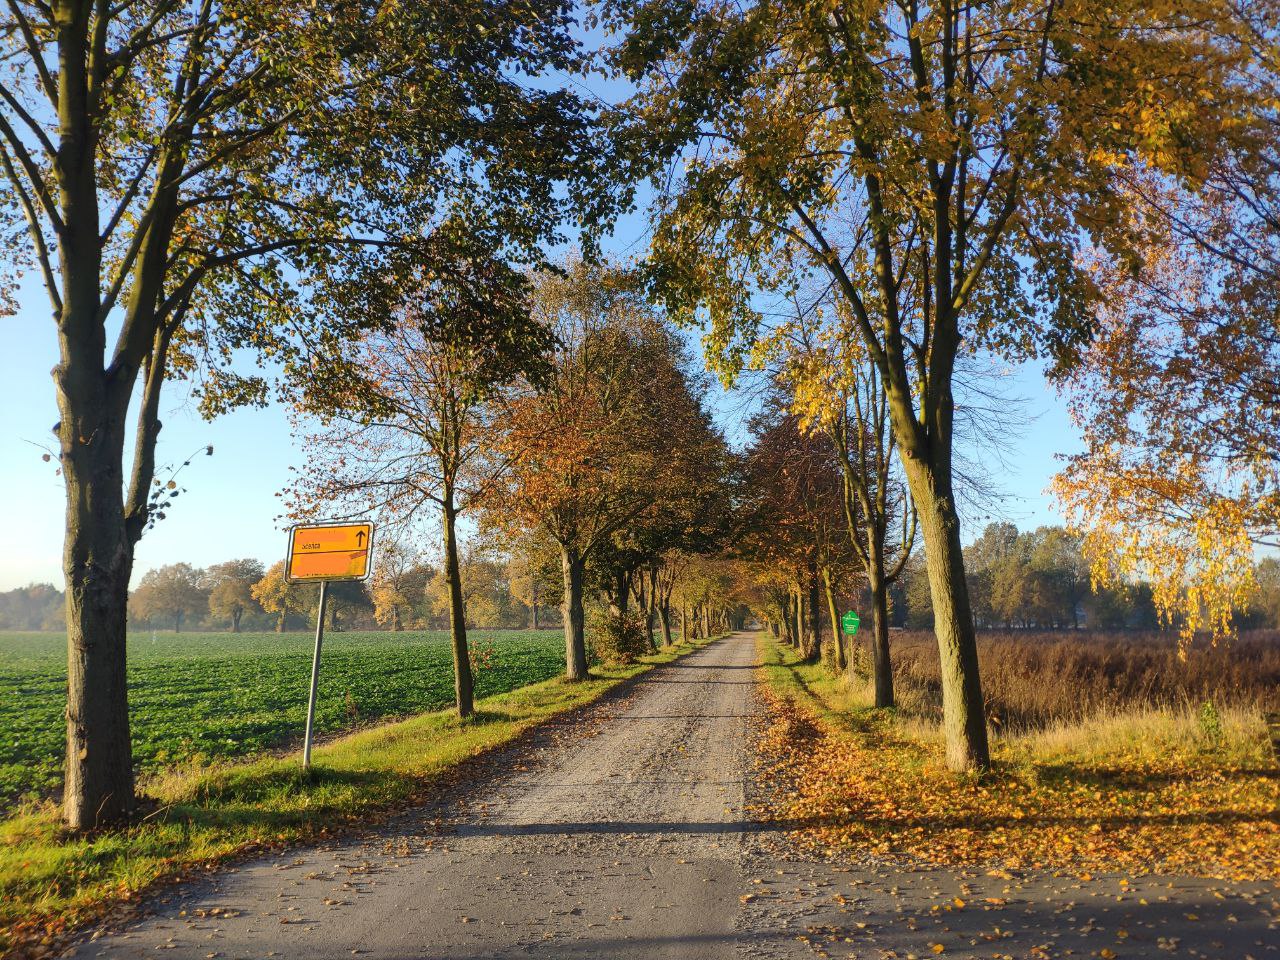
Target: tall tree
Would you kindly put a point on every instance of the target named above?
(790, 514)
(1179, 481)
(919, 157)
(189, 176)
(534, 575)
(231, 589)
(393, 583)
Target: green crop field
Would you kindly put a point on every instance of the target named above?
(202, 696)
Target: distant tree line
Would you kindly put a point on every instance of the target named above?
(243, 595)
(1040, 579)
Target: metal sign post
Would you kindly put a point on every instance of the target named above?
(325, 552)
(315, 677)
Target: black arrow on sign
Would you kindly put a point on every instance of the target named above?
(360, 538)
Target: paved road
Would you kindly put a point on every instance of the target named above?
(620, 833)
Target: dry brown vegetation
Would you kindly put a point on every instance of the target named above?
(1034, 679)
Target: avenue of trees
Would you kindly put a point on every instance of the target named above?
(859, 204)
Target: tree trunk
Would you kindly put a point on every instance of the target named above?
(882, 666)
(962, 708)
(838, 660)
(235, 620)
(664, 618)
(575, 643)
(280, 621)
(97, 562)
(813, 635)
(535, 614)
(463, 684)
(684, 624)
(651, 606)
(706, 621)
(620, 594)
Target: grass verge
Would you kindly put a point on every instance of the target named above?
(52, 882)
(1137, 792)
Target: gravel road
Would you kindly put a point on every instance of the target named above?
(620, 832)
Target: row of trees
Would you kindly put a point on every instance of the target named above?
(1034, 579)
(934, 184)
(581, 440)
(405, 593)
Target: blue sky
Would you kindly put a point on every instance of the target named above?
(230, 506)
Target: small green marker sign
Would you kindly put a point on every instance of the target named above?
(850, 622)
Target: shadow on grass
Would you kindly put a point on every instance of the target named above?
(872, 725)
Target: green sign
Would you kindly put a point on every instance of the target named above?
(850, 623)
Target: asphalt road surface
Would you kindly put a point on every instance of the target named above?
(620, 832)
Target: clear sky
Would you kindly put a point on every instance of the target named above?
(230, 506)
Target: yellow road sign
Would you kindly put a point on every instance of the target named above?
(329, 551)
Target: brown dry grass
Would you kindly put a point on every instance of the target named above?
(1034, 680)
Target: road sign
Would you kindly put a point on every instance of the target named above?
(850, 622)
(329, 551)
(324, 552)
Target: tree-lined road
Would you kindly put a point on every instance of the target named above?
(621, 832)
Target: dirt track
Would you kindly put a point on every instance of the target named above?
(621, 833)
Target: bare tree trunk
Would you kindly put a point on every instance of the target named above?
(684, 624)
(797, 617)
(463, 684)
(620, 593)
(882, 665)
(535, 613)
(664, 618)
(838, 658)
(575, 643)
(280, 621)
(813, 633)
(97, 562)
(651, 606)
(962, 707)
(235, 620)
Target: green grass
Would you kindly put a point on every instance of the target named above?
(51, 881)
(197, 697)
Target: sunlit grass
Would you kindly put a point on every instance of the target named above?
(1133, 788)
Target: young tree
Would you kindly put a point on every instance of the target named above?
(790, 515)
(190, 177)
(230, 587)
(276, 594)
(919, 157)
(836, 391)
(171, 592)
